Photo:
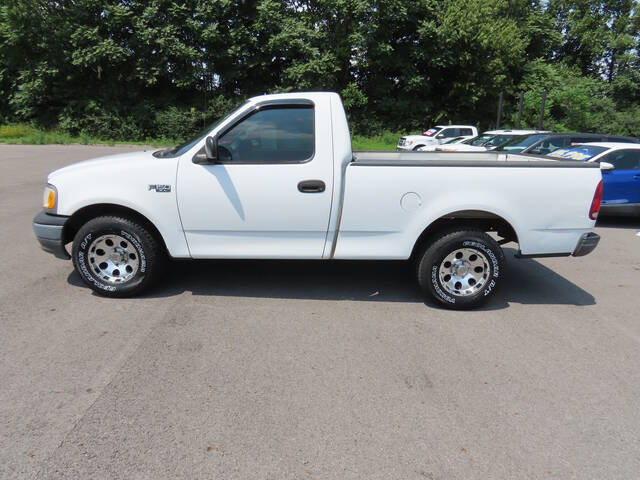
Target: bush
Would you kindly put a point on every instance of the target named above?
(15, 131)
(93, 120)
(178, 123)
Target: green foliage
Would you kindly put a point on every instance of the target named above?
(382, 141)
(138, 69)
(31, 135)
(15, 131)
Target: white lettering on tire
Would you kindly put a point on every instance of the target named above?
(436, 285)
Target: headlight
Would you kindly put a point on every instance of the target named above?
(50, 199)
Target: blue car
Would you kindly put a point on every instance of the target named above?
(620, 175)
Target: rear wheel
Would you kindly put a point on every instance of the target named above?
(117, 256)
(461, 269)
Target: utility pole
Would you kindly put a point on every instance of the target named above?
(520, 100)
(541, 121)
(499, 117)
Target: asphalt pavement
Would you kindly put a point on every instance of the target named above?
(296, 370)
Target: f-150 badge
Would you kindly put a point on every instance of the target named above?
(160, 188)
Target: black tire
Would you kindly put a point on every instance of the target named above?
(140, 243)
(433, 259)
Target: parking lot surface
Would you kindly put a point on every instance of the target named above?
(295, 370)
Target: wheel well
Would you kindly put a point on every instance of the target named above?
(485, 221)
(82, 216)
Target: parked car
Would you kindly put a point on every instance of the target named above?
(554, 141)
(436, 135)
(453, 141)
(519, 142)
(620, 164)
(277, 179)
(495, 140)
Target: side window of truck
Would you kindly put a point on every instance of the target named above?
(466, 132)
(283, 134)
(448, 133)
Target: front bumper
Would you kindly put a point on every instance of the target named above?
(587, 244)
(48, 229)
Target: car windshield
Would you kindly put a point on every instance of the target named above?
(479, 140)
(183, 148)
(519, 142)
(499, 140)
(432, 131)
(452, 140)
(583, 152)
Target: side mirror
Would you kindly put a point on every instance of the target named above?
(606, 166)
(208, 154)
(211, 149)
(440, 136)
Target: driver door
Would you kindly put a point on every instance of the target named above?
(269, 193)
(622, 184)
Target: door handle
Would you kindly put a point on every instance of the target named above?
(311, 186)
(636, 176)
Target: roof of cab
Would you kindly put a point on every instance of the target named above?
(514, 132)
(290, 96)
(613, 145)
(454, 126)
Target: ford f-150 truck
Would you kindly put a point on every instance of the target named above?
(276, 179)
(435, 136)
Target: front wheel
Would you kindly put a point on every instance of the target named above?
(117, 256)
(461, 269)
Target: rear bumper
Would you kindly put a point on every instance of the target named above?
(48, 230)
(587, 244)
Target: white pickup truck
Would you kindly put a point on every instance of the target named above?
(435, 136)
(277, 179)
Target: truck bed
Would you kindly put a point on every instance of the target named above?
(388, 204)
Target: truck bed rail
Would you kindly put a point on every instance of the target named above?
(461, 159)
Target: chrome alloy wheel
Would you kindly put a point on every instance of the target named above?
(464, 271)
(113, 258)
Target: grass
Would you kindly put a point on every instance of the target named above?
(383, 141)
(24, 134)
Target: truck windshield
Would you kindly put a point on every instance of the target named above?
(519, 142)
(186, 146)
